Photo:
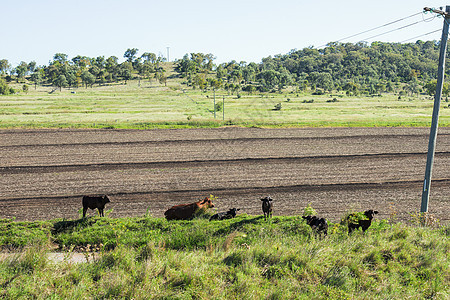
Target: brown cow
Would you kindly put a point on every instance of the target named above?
(186, 211)
(94, 202)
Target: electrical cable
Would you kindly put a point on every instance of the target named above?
(420, 36)
(378, 27)
(399, 28)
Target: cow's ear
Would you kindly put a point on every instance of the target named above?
(375, 212)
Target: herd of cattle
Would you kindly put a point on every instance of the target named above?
(187, 212)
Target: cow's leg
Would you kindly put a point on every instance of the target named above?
(100, 211)
(84, 212)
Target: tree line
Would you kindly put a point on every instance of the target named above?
(84, 71)
(353, 68)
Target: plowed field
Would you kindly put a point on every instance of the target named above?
(44, 173)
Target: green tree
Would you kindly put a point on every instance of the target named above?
(430, 87)
(130, 54)
(162, 77)
(21, 70)
(126, 70)
(60, 57)
(4, 88)
(4, 66)
(37, 77)
(71, 79)
(150, 57)
(268, 79)
(88, 78)
(112, 67)
(351, 88)
(31, 66)
(214, 83)
(60, 82)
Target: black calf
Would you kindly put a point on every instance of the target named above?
(364, 224)
(231, 213)
(319, 225)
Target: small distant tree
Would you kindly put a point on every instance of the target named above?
(71, 79)
(31, 66)
(4, 88)
(126, 69)
(130, 54)
(37, 77)
(60, 82)
(163, 78)
(25, 88)
(214, 83)
(88, 78)
(21, 70)
(4, 66)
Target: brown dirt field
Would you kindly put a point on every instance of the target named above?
(44, 173)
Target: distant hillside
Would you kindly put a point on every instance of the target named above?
(354, 68)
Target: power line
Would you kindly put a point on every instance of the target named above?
(378, 27)
(399, 28)
(421, 35)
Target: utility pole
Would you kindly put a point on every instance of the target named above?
(168, 59)
(223, 108)
(214, 103)
(437, 103)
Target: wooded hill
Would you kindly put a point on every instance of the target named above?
(354, 68)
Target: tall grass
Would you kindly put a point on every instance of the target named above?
(242, 258)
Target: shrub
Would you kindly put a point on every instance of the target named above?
(309, 211)
(4, 88)
(218, 106)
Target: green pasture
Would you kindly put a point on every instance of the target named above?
(147, 104)
(242, 258)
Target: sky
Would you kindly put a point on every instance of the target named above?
(241, 30)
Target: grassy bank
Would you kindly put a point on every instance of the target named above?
(148, 105)
(243, 258)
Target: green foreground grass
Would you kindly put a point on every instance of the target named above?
(242, 258)
(148, 105)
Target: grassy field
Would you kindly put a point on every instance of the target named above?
(242, 258)
(147, 104)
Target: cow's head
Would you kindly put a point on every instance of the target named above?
(232, 211)
(370, 213)
(309, 219)
(206, 203)
(106, 199)
(266, 199)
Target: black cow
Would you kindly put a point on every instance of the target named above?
(94, 202)
(319, 225)
(364, 224)
(267, 207)
(230, 214)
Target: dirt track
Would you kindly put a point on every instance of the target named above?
(44, 173)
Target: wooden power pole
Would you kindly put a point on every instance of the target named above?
(437, 103)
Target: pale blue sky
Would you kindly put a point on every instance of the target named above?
(242, 30)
